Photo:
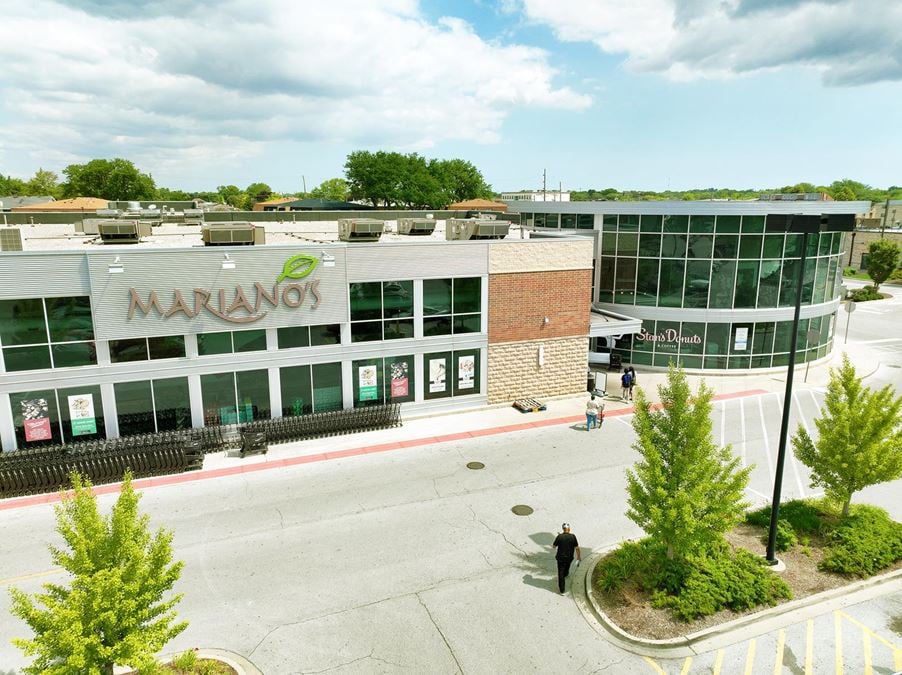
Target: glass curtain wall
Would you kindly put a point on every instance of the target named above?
(41, 333)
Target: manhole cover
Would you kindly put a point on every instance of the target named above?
(522, 510)
(475, 465)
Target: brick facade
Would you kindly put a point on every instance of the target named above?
(856, 243)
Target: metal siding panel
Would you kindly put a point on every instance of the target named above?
(36, 275)
(408, 260)
(166, 271)
(689, 207)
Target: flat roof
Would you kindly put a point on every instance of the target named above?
(698, 208)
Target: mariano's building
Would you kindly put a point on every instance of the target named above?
(124, 328)
(713, 283)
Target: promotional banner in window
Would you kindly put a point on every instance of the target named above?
(399, 379)
(368, 384)
(466, 370)
(36, 420)
(81, 414)
(436, 375)
(742, 339)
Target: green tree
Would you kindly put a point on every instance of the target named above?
(459, 180)
(685, 492)
(883, 260)
(112, 612)
(12, 187)
(113, 179)
(335, 189)
(374, 176)
(257, 192)
(43, 183)
(232, 195)
(859, 437)
(167, 195)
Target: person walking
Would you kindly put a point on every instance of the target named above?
(592, 410)
(633, 380)
(566, 545)
(625, 381)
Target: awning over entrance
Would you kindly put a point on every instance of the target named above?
(604, 323)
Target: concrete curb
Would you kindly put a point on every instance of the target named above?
(730, 632)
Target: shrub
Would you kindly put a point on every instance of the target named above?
(805, 516)
(864, 294)
(627, 562)
(896, 275)
(849, 271)
(864, 543)
(786, 536)
(185, 661)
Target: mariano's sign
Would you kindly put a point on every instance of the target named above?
(236, 304)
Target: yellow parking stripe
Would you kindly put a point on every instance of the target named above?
(866, 640)
(869, 631)
(837, 637)
(654, 666)
(809, 646)
(718, 662)
(778, 663)
(34, 575)
(750, 658)
(686, 664)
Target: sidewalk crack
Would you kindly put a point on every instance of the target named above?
(444, 639)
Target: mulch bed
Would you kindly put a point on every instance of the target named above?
(630, 607)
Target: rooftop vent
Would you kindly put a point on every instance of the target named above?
(232, 234)
(10, 239)
(123, 231)
(416, 226)
(462, 230)
(90, 225)
(360, 229)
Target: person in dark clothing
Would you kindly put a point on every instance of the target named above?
(566, 545)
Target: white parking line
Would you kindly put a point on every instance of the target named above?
(770, 460)
(873, 342)
(792, 457)
(742, 431)
(723, 423)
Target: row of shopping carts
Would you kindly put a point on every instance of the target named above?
(332, 423)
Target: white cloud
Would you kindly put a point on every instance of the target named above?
(849, 42)
(215, 83)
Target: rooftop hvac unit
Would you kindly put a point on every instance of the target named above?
(193, 216)
(107, 213)
(232, 234)
(90, 225)
(462, 230)
(360, 229)
(416, 226)
(123, 231)
(10, 239)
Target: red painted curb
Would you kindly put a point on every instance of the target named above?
(175, 479)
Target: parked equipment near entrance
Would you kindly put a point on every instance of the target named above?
(253, 442)
(416, 226)
(459, 229)
(360, 229)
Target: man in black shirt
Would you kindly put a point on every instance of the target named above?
(566, 545)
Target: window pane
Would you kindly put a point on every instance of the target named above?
(625, 284)
(134, 408)
(399, 379)
(35, 418)
(825, 241)
(368, 382)
(398, 329)
(717, 339)
(726, 246)
(763, 342)
(741, 339)
(292, 337)
(366, 331)
(670, 293)
(750, 246)
(325, 334)
(609, 243)
(436, 367)
(676, 223)
(551, 220)
(692, 340)
(673, 246)
(73, 354)
(793, 246)
(808, 284)
(249, 340)
(723, 284)
(327, 387)
(366, 301)
(466, 372)
(439, 325)
(172, 403)
(790, 282)
(647, 282)
(297, 396)
(467, 295)
(397, 299)
(728, 224)
(123, 351)
(585, 221)
(467, 323)
(568, 221)
(609, 222)
(628, 223)
(628, 244)
(606, 280)
(540, 220)
(769, 283)
(782, 337)
(669, 346)
(746, 284)
(698, 278)
(753, 224)
(700, 246)
(167, 347)
(650, 224)
(69, 319)
(214, 343)
(85, 425)
(436, 296)
(218, 395)
(773, 246)
(649, 327)
(22, 322)
(650, 245)
(701, 224)
(253, 395)
(26, 358)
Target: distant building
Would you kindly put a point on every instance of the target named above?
(74, 204)
(10, 203)
(795, 197)
(478, 205)
(272, 204)
(880, 217)
(536, 196)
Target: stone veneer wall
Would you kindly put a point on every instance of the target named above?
(515, 372)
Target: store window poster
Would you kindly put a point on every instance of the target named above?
(399, 379)
(36, 420)
(368, 383)
(81, 414)
(466, 371)
(740, 344)
(436, 375)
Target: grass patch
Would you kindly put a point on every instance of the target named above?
(852, 273)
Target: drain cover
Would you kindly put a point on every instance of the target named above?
(475, 465)
(522, 510)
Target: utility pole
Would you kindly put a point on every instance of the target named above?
(560, 191)
(304, 183)
(544, 197)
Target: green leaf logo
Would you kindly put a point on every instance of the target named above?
(297, 267)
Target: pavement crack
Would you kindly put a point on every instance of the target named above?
(498, 532)
(281, 518)
(444, 639)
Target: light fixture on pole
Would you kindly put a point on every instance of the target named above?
(116, 266)
(804, 225)
(228, 263)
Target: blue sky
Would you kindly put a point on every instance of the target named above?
(646, 94)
